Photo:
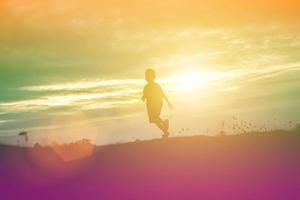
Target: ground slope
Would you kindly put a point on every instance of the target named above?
(253, 166)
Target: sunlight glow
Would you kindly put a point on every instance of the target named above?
(190, 81)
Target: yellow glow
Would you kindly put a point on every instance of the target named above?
(190, 81)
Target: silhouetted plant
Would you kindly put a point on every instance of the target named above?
(25, 135)
(298, 127)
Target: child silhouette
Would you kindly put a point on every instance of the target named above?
(154, 95)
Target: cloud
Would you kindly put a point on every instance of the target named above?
(105, 94)
(84, 85)
(73, 100)
(5, 121)
(110, 104)
(116, 90)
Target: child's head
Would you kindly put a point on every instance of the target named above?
(150, 75)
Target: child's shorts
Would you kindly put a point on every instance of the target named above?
(154, 110)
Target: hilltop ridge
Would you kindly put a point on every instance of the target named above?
(251, 166)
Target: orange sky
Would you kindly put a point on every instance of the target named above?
(167, 9)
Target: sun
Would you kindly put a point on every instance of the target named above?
(189, 81)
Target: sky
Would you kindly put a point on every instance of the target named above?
(75, 69)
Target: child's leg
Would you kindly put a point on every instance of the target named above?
(160, 124)
(163, 125)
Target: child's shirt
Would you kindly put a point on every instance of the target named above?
(153, 93)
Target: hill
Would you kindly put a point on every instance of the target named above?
(251, 166)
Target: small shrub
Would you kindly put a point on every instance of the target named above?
(298, 127)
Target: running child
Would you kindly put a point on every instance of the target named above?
(154, 95)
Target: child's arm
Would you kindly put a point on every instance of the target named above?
(167, 100)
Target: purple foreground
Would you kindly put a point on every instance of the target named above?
(253, 166)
